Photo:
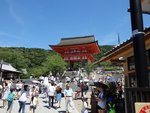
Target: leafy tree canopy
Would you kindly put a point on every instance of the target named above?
(104, 49)
(39, 62)
(36, 61)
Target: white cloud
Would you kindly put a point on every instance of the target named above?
(14, 14)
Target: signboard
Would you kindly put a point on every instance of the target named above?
(145, 6)
(141, 107)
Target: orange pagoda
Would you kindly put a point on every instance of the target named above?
(77, 49)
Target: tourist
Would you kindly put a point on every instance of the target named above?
(82, 89)
(1, 90)
(119, 90)
(23, 99)
(51, 93)
(58, 95)
(68, 93)
(37, 88)
(101, 100)
(86, 88)
(34, 102)
(5, 94)
(10, 99)
(60, 84)
(18, 88)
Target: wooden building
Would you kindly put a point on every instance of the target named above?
(123, 54)
(77, 49)
(9, 72)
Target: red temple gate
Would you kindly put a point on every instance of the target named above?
(77, 49)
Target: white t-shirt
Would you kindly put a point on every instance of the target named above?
(23, 97)
(51, 90)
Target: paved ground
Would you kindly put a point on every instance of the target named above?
(42, 108)
(78, 103)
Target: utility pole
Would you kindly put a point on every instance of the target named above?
(139, 43)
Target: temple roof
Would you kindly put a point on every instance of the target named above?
(77, 47)
(9, 67)
(76, 40)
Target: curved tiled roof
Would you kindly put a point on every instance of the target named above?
(9, 67)
(76, 40)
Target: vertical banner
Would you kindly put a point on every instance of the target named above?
(145, 6)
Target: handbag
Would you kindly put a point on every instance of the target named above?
(62, 94)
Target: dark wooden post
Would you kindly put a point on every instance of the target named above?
(139, 43)
(141, 70)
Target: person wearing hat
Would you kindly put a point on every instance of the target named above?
(68, 93)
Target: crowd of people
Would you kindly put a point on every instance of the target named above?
(53, 93)
(21, 92)
(107, 96)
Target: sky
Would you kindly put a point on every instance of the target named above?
(40, 23)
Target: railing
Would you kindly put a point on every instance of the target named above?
(133, 95)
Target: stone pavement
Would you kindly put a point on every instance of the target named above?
(42, 107)
(79, 104)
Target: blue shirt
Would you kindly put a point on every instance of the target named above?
(68, 92)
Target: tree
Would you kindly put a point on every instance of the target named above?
(104, 49)
(55, 64)
(14, 58)
(39, 61)
(89, 68)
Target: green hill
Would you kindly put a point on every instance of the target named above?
(103, 49)
(37, 61)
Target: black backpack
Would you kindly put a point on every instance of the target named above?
(86, 87)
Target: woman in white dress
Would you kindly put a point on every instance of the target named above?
(5, 94)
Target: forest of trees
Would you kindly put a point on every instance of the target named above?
(36, 61)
